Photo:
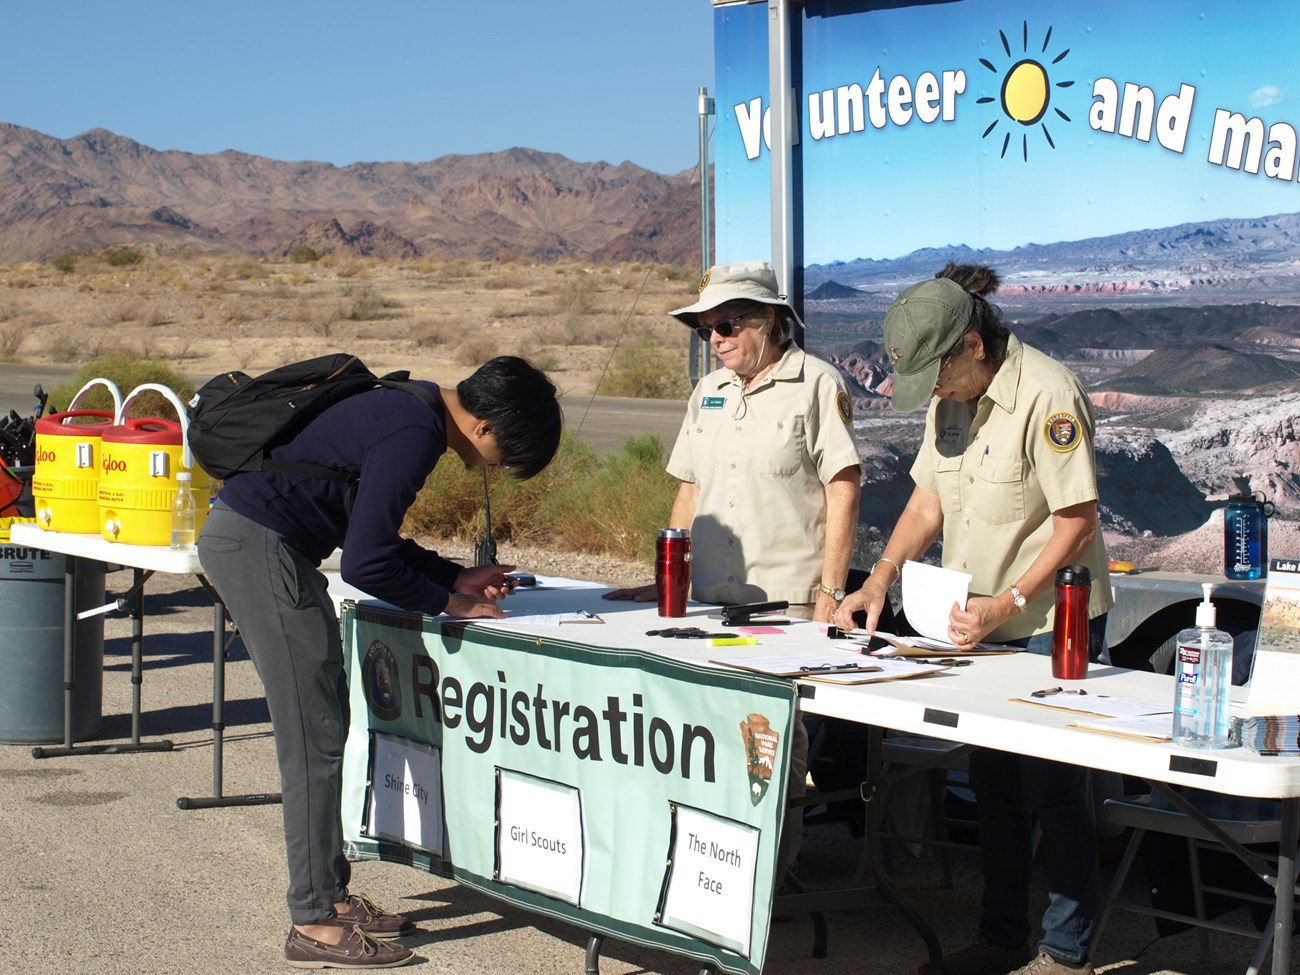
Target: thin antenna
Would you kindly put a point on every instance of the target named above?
(621, 333)
(485, 549)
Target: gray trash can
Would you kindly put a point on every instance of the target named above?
(31, 645)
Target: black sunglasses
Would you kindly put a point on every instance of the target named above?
(724, 328)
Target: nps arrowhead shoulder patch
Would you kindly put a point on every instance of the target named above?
(1062, 432)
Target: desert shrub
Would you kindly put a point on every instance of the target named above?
(248, 270)
(617, 505)
(501, 311)
(430, 334)
(646, 370)
(364, 303)
(476, 350)
(450, 505)
(12, 334)
(122, 256)
(577, 298)
(127, 371)
(612, 504)
(503, 280)
(65, 262)
(302, 254)
(64, 347)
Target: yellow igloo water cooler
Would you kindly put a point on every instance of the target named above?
(65, 481)
(137, 480)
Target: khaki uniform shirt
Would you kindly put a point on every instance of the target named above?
(1000, 472)
(762, 459)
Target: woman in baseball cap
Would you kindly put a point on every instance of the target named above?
(1006, 474)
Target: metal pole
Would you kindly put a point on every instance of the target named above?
(699, 359)
(781, 96)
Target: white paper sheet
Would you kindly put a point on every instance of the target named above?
(1103, 705)
(928, 594)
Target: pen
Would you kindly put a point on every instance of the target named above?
(732, 641)
(1051, 691)
(819, 668)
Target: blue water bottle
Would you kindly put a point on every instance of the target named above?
(1245, 536)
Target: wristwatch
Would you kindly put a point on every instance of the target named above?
(1018, 598)
(835, 594)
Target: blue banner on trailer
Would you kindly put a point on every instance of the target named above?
(990, 124)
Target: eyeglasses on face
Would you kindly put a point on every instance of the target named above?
(724, 328)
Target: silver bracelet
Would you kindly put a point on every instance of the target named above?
(898, 571)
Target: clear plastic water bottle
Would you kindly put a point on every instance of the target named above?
(1203, 681)
(184, 513)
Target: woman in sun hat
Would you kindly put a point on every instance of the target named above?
(768, 468)
(1006, 474)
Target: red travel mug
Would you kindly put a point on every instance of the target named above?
(1070, 633)
(673, 570)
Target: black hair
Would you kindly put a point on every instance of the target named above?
(979, 280)
(519, 401)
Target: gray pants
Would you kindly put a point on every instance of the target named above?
(278, 600)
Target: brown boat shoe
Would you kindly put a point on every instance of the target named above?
(356, 950)
(373, 919)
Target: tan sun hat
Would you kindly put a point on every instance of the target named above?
(749, 281)
(922, 326)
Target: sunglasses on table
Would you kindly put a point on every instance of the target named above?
(724, 328)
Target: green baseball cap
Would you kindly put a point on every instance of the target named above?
(923, 325)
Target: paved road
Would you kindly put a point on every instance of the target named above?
(17, 380)
(603, 421)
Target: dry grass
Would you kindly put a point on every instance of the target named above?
(207, 313)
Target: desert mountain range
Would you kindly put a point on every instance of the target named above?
(1188, 338)
(98, 188)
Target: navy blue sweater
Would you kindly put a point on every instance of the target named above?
(393, 440)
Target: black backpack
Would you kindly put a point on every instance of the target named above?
(235, 419)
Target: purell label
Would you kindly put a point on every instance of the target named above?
(1189, 655)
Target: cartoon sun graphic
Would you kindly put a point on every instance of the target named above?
(1026, 91)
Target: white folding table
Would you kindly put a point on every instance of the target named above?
(973, 705)
(144, 561)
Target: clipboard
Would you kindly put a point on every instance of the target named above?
(919, 646)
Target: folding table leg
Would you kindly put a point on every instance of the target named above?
(134, 602)
(220, 644)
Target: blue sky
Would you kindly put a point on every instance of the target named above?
(385, 80)
(891, 189)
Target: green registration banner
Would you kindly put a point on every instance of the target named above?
(637, 797)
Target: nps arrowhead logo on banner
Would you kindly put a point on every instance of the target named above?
(761, 743)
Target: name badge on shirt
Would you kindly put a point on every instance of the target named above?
(713, 403)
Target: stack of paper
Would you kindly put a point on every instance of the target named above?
(1273, 734)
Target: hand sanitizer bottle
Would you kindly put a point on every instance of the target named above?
(1203, 681)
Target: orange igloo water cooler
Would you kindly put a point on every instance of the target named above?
(65, 481)
(137, 481)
